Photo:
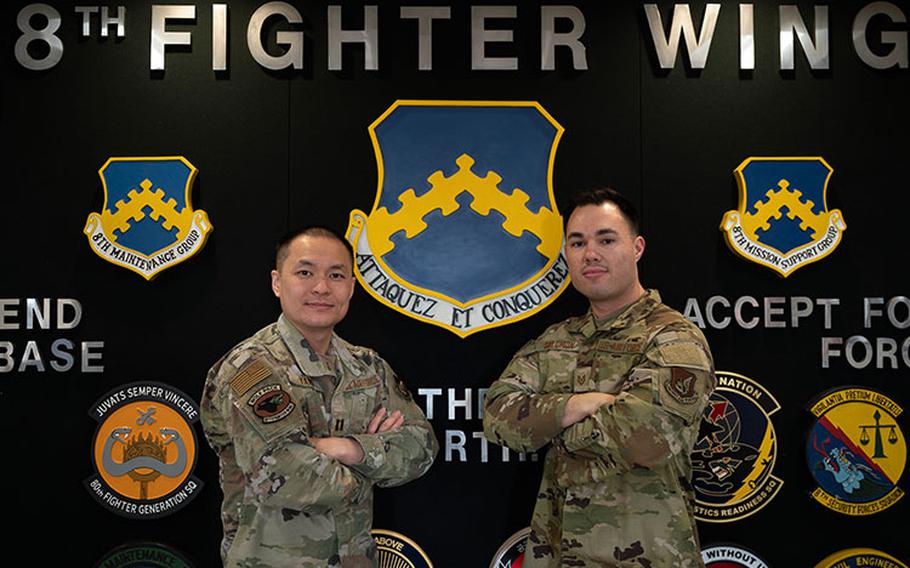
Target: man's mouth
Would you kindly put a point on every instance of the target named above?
(593, 271)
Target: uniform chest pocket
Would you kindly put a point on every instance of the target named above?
(558, 366)
(358, 403)
(612, 363)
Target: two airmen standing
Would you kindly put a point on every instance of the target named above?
(305, 424)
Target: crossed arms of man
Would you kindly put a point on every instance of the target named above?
(653, 415)
(286, 464)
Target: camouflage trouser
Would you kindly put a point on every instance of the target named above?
(607, 525)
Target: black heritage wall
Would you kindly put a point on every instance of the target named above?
(278, 148)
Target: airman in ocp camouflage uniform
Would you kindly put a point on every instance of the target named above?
(618, 394)
(284, 408)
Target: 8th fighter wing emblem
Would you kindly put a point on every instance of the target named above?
(464, 231)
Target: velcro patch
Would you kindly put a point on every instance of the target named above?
(271, 403)
(250, 376)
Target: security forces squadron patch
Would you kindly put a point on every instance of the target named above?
(464, 232)
(144, 451)
(512, 552)
(147, 223)
(398, 551)
(856, 557)
(733, 459)
(730, 556)
(783, 221)
(856, 451)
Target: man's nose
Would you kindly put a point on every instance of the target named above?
(321, 286)
(590, 252)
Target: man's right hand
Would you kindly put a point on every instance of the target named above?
(382, 422)
(582, 405)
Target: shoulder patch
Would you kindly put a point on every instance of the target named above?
(681, 386)
(683, 353)
(271, 404)
(249, 376)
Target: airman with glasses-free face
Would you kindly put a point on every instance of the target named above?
(616, 398)
(306, 424)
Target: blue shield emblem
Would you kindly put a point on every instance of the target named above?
(783, 221)
(147, 222)
(464, 231)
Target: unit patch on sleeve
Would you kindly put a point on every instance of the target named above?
(271, 404)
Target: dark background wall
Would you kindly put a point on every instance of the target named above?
(280, 148)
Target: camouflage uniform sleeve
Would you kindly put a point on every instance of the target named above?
(230, 476)
(657, 413)
(397, 456)
(517, 413)
(278, 465)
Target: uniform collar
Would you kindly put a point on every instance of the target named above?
(307, 359)
(588, 325)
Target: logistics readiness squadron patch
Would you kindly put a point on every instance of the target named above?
(856, 451)
(144, 451)
(464, 232)
(730, 556)
(147, 222)
(512, 552)
(398, 551)
(733, 459)
(143, 555)
(783, 221)
(856, 557)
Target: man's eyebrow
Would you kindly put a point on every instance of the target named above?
(577, 235)
(310, 263)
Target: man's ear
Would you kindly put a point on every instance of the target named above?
(639, 245)
(276, 284)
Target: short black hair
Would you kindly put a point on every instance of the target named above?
(601, 195)
(281, 249)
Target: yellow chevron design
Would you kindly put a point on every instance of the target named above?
(132, 211)
(545, 224)
(789, 198)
